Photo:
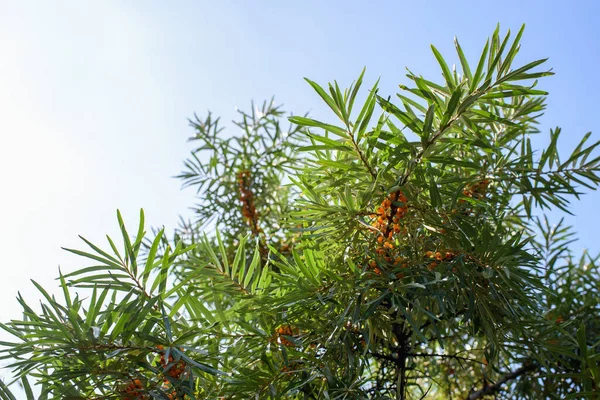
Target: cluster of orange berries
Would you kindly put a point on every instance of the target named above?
(286, 330)
(357, 336)
(175, 370)
(475, 191)
(134, 390)
(437, 257)
(247, 199)
(389, 214)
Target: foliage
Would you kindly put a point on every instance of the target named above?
(394, 252)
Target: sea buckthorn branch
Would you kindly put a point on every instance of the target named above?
(455, 112)
(233, 281)
(247, 201)
(341, 104)
(249, 212)
(451, 356)
(401, 181)
(497, 386)
(387, 225)
(359, 152)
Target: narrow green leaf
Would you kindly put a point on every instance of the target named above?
(128, 247)
(354, 91)
(452, 103)
(480, 66)
(254, 264)
(512, 52)
(463, 60)
(303, 121)
(445, 70)
(519, 73)
(330, 102)
(428, 123)
(150, 260)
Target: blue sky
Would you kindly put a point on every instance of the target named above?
(95, 96)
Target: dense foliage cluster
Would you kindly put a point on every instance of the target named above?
(398, 251)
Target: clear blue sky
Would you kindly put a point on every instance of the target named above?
(95, 95)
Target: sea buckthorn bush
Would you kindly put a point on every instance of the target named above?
(399, 249)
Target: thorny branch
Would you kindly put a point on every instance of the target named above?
(491, 389)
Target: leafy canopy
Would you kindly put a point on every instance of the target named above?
(397, 250)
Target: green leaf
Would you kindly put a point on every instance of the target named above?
(520, 73)
(452, 104)
(445, 70)
(302, 121)
(412, 123)
(512, 52)
(463, 60)
(5, 392)
(254, 264)
(329, 100)
(129, 251)
(354, 90)
(428, 123)
(480, 66)
(150, 260)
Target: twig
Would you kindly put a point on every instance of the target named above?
(490, 389)
(361, 156)
(453, 356)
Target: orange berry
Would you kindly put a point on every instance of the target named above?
(429, 254)
(286, 330)
(388, 245)
(432, 266)
(438, 256)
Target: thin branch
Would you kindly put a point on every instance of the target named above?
(452, 356)
(404, 177)
(385, 357)
(491, 389)
(359, 152)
